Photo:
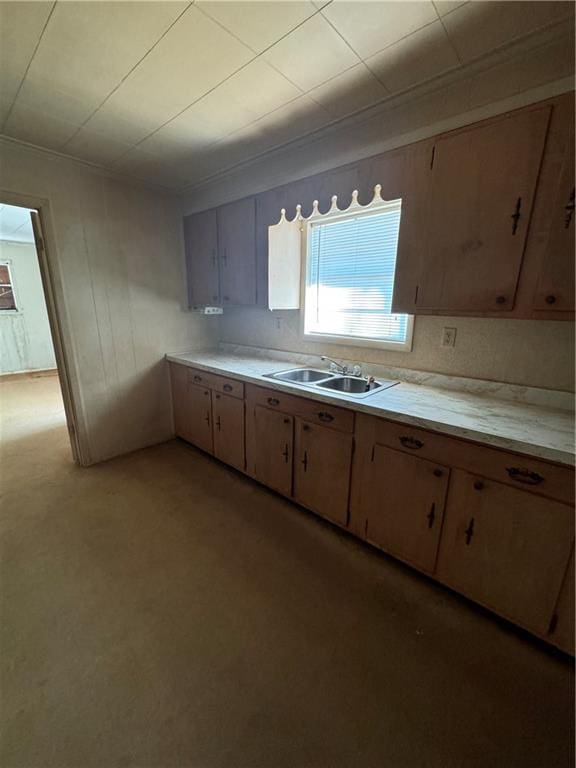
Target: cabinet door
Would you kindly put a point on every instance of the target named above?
(199, 406)
(237, 250)
(323, 462)
(273, 444)
(555, 290)
(228, 419)
(482, 187)
(201, 247)
(406, 507)
(508, 549)
(562, 624)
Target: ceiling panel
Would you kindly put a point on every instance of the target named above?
(371, 26)
(88, 47)
(311, 54)
(192, 58)
(347, 93)
(36, 127)
(96, 148)
(21, 25)
(416, 58)
(259, 24)
(479, 27)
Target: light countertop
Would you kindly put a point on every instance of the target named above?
(536, 431)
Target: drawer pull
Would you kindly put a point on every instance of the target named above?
(325, 417)
(305, 461)
(469, 532)
(197, 378)
(227, 387)
(285, 453)
(273, 401)
(524, 476)
(431, 515)
(438, 473)
(411, 442)
(478, 485)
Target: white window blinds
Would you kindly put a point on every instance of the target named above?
(350, 276)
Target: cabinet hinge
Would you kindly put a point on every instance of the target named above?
(553, 624)
(432, 156)
(372, 455)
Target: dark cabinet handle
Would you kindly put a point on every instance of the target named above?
(516, 216)
(207, 419)
(524, 476)
(431, 515)
(500, 299)
(217, 397)
(469, 532)
(224, 255)
(550, 299)
(285, 453)
(306, 427)
(569, 209)
(226, 298)
(214, 298)
(305, 461)
(411, 442)
(286, 421)
(227, 387)
(478, 485)
(273, 401)
(197, 378)
(218, 423)
(438, 473)
(325, 417)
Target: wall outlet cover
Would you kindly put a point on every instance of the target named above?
(448, 337)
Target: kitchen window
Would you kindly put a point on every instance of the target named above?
(351, 259)
(7, 299)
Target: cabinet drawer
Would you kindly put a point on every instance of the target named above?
(319, 413)
(230, 387)
(201, 378)
(215, 382)
(523, 472)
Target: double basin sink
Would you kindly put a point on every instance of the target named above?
(354, 386)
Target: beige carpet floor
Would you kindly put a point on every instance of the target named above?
(162, 611)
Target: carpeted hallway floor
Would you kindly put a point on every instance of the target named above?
(162, 611)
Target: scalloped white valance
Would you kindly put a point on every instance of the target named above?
(287, 243)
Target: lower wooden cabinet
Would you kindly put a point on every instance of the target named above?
(322, 461)
(199, 408)
(505, 548)
(406, 506)
(228, 429)
(272, 448)
(562, 625)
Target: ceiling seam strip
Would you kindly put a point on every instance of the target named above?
(25, 75)
(127, 75)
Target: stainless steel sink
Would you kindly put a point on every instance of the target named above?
(357, 387)
(302, 375)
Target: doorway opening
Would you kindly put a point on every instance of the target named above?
(36, 416)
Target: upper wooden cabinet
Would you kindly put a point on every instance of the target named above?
(237, 252)
(201, 248)
(482, 184)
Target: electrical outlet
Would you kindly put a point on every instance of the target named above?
(448, 337)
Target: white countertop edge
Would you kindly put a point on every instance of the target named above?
(530, 449)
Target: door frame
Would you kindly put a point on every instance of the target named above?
(46, 254)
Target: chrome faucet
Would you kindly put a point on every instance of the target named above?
(341, 367)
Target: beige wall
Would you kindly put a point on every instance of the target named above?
(117, 262)
(525, 352)
(532, 353)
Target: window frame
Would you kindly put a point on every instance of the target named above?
(17, 309)
(332, 338)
